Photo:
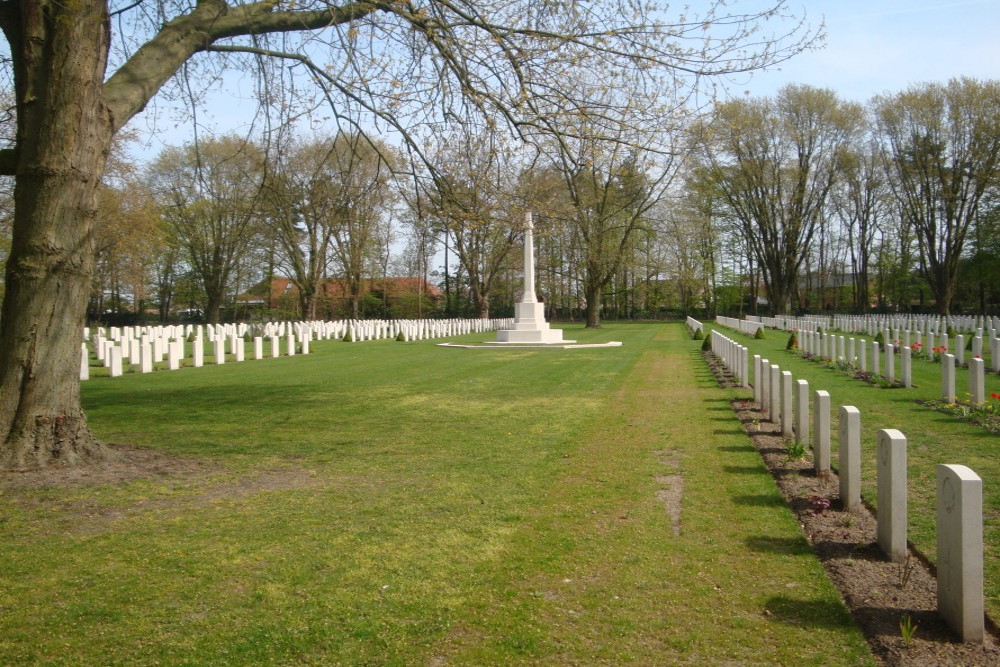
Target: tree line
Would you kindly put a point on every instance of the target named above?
(822, 204)
(797, 203)
(206, 222)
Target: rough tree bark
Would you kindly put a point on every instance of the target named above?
(66, 117)
(64, 131)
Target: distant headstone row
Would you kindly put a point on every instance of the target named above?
(872, 324)
(189, 345)
(880, 359)
(694, 326)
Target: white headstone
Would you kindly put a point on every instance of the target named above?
(774, 394)
(960, 550)
(146, 357)
(84, 362)
(116, 361)
(891, 493)
(850, 457)
(821, 432)
(977, 381)
(948, 378)
(757, 380)
(786, 404)
(802, 411)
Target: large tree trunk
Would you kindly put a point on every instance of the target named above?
(944, 292)
(483, 307)
(308, 300)
(355, 298)
(593, 295)
(213, 305)
(64, 131)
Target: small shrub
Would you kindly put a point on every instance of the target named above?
(401, 337)
(879, 339)
(706, 345)
(907, 628)
(968, 343)
(951, 331)
(793, 342)
(760, 334)
(347, 337)
(796, 450)
(697, 335)
(819, 504)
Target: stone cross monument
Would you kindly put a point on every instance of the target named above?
(530, 326)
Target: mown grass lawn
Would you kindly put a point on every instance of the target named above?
(933, 438)
(395, 503)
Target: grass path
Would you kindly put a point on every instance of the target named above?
(734, 581)
(387, 503)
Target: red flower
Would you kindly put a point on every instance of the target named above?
(995, 395)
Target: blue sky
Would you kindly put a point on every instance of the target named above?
(881, 46)
(871, 47)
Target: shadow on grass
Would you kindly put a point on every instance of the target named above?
(850, 549)
(745, 470)
(796, 546)
(735, 448)
(220, 396)
(759, 500)
(807, 613)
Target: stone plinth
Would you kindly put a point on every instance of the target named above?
(530, 326)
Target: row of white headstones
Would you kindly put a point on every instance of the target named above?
(959, 521)
(872, 324)
(145, 346)
(881, 358)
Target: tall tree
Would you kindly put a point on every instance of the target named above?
(473, 193)
(127, 244)
(942, 143)
(860, 202)
(210, 193)
(403, 63)
(774, 163)
(612, 191)
(329, 198)
(363, 198)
